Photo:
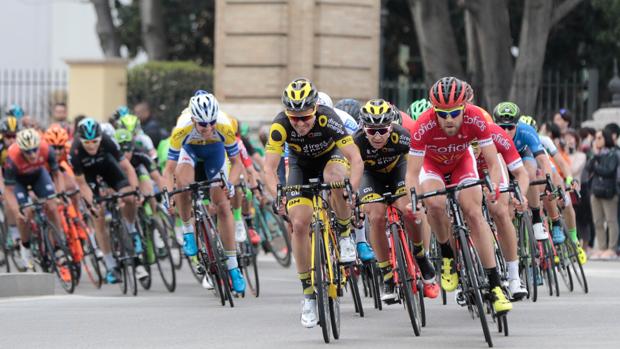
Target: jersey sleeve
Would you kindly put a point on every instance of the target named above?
(417, 145)
(506, 148)
(328, 119)
(9, 172)
(74, 158)
(112, 147)
(277, 136)
(401, 138)
(530, 137)
(548, 144)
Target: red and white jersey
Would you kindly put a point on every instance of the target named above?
(429, 140)
(505, 147)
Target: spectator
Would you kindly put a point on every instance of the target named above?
(150, 126)
(563, 119)
(614, 129)
(60, 115)
(603, 171)
(582, 206)
(586, 134)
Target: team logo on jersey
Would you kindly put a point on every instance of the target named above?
(322, 120)
(423, 129)
(474, 120)
(499, 139)
(394, 137)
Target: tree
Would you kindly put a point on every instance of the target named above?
(153, 33)
(108, 37)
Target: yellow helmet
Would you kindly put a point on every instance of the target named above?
(28, 139)
(10, 124)
(377, 112)
(526, 119)
(300, 94)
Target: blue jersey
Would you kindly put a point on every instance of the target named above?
(526, 138)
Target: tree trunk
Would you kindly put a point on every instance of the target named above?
(538, 18)
(494, 40)
(436, 39)
(153, 34)
(108, 37)
(474, 63)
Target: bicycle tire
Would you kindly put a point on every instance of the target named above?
(209, 261)
(163, 258)
(553, 276)
(220, 259)
(320, 282)
(562, 267)
(472, 278)
(355, 291)
(128, 259)
(421, 301)
(52, 250)
(173, 245)
(91, 263)
(4, 233)
(377, 282)
(406, 285)
(527, 257)
(249, 268)
(278, 233)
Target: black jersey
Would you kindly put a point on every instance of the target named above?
(90, 165)
(327, 132)
(385, 159)
(142, 159)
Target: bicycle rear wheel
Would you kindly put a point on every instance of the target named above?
(278, 240)
(173, 245)
(58, 253)
(473, 284)
(355, 291)
(406, 281)
(163, 256)
(249, 268)
(127, 259)
(563, 267)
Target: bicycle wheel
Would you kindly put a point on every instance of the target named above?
(355, 291)
(472, 284)
(58, 253)
(421, 301)
(320, 282)
(528, 254)
(576, 266)
(207, 261)
(377, 280)
(91, 263)
(4, 251)
(220, 263)
(176, 250)
(552, 277)
(336, 283)
(163, 257)
(249, 268)
(278, 240)
(128, 259)
(406, 280)
(562, 267)
(436, 259)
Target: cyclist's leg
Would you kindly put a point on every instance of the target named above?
(533, 198)
(21, 194)
(44, 187)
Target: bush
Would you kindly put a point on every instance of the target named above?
(167, 86)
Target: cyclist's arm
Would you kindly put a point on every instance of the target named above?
(414, 166)
(561, 163)
(171, 165)
(130, 172)
(157, 178)
(85, 190)
(236, 167)
(544, 163)
(272, 160)
(489, 152)
(11, 200)
(352, 153)
(57, 176)
(523, 180)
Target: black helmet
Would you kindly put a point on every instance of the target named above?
(351, 106)
(300, 94)
(506, 113)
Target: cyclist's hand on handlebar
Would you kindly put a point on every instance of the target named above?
(520, 206)
(492, 196)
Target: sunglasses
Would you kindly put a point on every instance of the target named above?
(31, 151)
(204, 123)
(508, 127)
(9, 135)
(127, 148)
(304, 115)
(371, 131)
(58, 147)
(454, 113)
(90, 141)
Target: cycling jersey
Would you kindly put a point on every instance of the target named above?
(407, 121)
(104, 163)
(505, 147)
(141, 160)
(143, 143)
(243, 153)
(18, 168)
(526, 140)
(385, 159)
(350, 125)
(445, 154)
(185, 136)
(548, 144)
(327, 133)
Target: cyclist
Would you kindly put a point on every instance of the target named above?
(318, 146)
(364, 251)
(384, 147)
(509, 160)
(94, 154)
(9, 126)
(204, 132)
(440, 147)
(350, 106)
(142, 141)
(417, 107)
(29, 164)
(525, 138)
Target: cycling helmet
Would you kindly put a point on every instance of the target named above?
(121, 111)
(10, 124)
(15, 111)
(325, 99)
(377, 112)
(417, 107)
(448, 92)
(469, 93)
(89, 129)
(506, 113)
(200, 92)
(300, 94)
(124, 139)
(351, 106)
(244, 129)
(204, 107)
(28, 139)
(526, 119)
(56, 135)
(129, 122)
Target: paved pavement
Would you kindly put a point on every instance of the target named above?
(193, 318)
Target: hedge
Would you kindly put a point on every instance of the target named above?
(167, 86)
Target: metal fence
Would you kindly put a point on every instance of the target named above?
(578, 92)
(35, 90)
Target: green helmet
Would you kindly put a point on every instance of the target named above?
(244, 129)
(506, 113)
(124, 138)
(526, 119)
(417, 107)
(130, 122)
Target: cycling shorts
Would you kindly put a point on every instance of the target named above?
(113, 176)
(375, 184)
(41, 183)
(211, 156)
(464, 170)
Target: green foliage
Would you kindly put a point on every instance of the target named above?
(167, 86)
(189, 28)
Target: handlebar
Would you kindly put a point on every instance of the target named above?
(165, 194)
(314, 186)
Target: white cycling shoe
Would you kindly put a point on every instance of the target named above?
(539, 232)
(309, 318)
(348, 251)
(240, 233)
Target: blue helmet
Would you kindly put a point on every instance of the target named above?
(89, 129)
(15, 111)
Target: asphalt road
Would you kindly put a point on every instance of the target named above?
(193, 318)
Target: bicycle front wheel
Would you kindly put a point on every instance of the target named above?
(58, 253)
(163, 256)
(321, 283)
(406, 282)
(278, 241)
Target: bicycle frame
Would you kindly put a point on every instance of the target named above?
(321, 217)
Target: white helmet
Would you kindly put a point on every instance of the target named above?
(325, 99)
(107, 129)
(204, 107)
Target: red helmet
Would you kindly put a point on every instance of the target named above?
(448, 92)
